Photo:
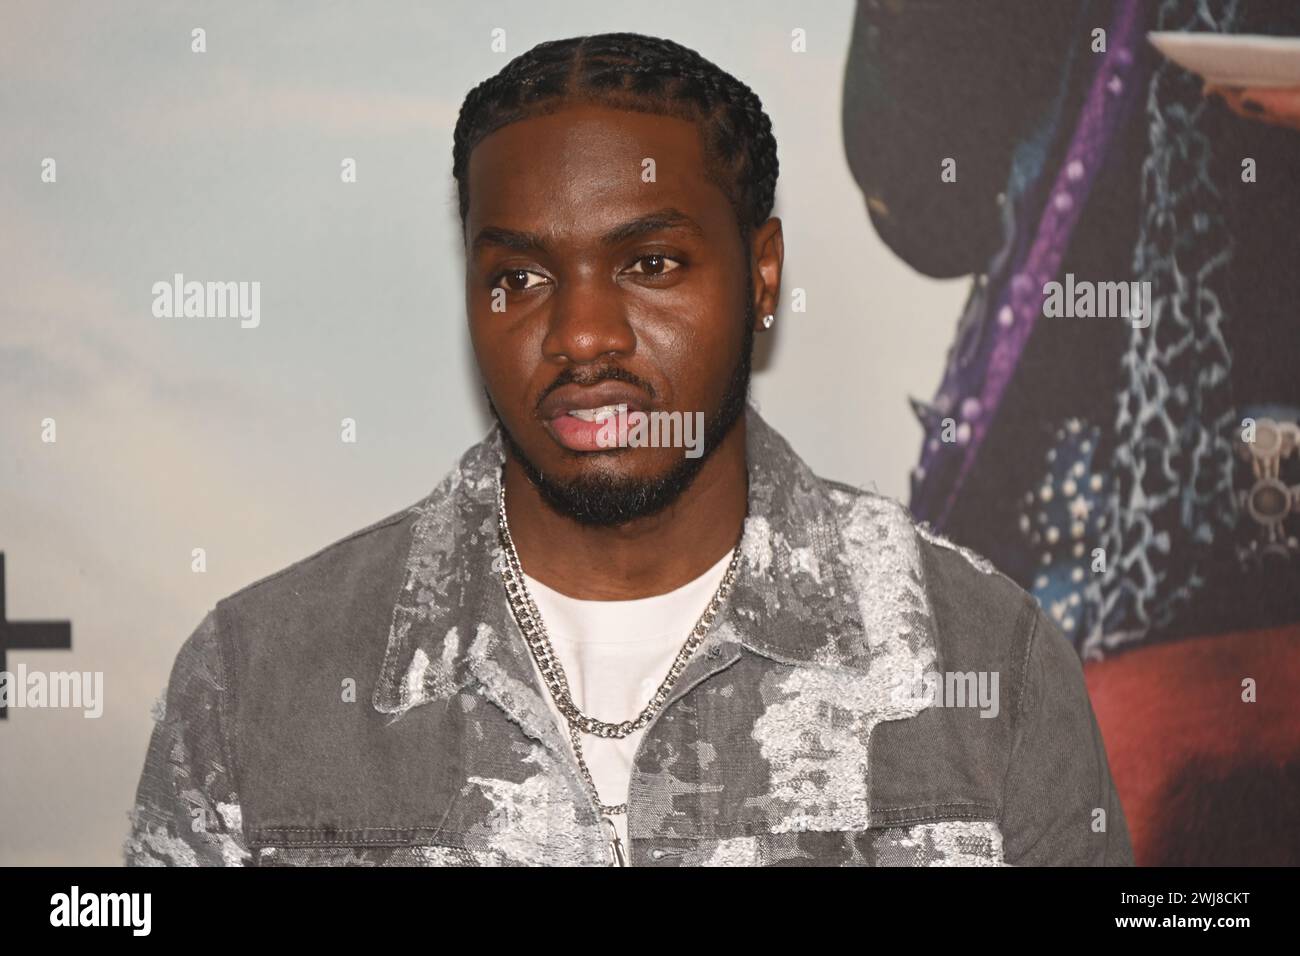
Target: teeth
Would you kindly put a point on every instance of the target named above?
(596, 414)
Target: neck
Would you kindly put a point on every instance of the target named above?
(645, 557)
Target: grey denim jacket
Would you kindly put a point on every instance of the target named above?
(374, 704)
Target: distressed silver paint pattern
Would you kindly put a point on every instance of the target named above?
(186, 812)
(372, 856)
(949, 843)
(533, 822)
(814, 739)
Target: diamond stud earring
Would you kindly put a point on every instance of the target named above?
(768, 320)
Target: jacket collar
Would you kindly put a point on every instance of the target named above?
(829, 576)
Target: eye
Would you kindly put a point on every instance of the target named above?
(517, 280)
(655, 265)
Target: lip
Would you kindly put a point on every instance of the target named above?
(568, 397)
(575, 434)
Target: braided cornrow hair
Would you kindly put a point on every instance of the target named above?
(641, 73)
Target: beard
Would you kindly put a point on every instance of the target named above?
(605, 500)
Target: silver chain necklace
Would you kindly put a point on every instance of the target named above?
(534, 631)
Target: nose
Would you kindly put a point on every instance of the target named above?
(587, 321)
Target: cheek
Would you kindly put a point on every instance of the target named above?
(711, 333)
(706, 310)
(503, 369)
(502, 346)
(487, 352)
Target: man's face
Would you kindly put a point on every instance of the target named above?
(615, 290)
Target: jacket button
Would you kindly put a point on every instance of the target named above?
(656, 854)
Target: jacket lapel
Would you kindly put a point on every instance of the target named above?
(451, 625)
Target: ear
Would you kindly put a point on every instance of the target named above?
(767, 251)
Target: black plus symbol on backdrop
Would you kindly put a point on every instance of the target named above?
(28, 635)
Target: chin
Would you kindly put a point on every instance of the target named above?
(601, 496)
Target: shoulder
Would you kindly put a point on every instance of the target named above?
(203, 662)
(364, 565)
(944, 559)
(197, 673)
(332, 607)
(360, 547)
(372, 557)
(980, 617)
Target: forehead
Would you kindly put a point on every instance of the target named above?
(579, 171)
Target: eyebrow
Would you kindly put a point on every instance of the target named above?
(658, 221)
(661, 220)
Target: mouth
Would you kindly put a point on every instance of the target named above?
(575, 416)
(579, 429)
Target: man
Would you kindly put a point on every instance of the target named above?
(573, 652)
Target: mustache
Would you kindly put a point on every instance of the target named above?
(587, 375)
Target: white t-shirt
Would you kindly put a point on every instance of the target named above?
(615, 654)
